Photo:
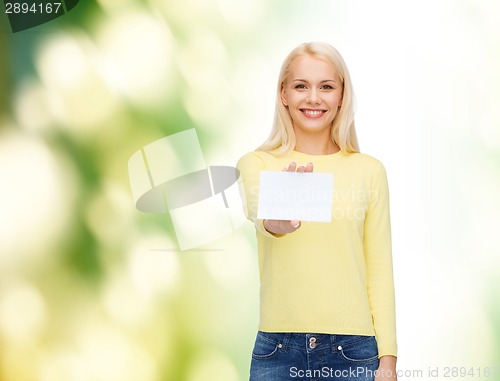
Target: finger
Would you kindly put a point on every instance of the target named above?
(292, 166)
(295, 224)
(309, 167)
(301, 169)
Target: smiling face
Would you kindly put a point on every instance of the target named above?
(312, 92)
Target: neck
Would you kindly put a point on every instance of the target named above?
(315, 144)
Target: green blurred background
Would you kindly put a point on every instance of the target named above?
(92, 289)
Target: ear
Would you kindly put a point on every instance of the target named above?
(283, 96)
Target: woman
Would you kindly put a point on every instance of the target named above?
(327, 295)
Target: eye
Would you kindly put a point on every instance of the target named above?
(327, 87)
(300, 86)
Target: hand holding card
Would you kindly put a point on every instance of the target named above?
(294, 196)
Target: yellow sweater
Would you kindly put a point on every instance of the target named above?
(333, 277)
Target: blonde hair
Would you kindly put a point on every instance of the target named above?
(343, 133)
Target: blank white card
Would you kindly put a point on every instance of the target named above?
(296, 196)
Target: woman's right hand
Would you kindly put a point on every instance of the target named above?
(280, 227)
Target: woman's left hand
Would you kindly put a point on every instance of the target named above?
(387, 369)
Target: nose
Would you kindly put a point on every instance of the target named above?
(313, 96)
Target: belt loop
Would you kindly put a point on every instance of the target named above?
(332, 339)
(286, 340)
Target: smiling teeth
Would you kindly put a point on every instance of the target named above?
(313, 112)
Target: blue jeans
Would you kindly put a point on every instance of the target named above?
(309, 356)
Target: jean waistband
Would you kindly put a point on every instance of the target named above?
(310, 341)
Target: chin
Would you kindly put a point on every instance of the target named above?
(314, 129)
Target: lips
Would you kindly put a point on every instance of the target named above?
(312, 113)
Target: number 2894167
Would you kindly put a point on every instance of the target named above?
(42, 7)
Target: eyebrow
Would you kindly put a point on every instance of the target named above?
(323, 81)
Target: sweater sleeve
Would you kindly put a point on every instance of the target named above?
(378, 256)
(250, 167)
